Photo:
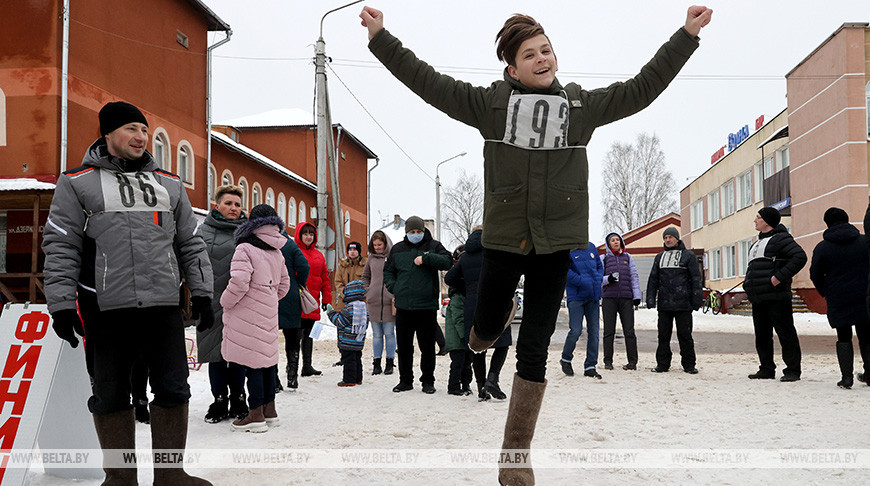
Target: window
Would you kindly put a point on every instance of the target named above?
(729, 254)
(256, 195)
(782, 158)
(291, 212)
(713, 207)
(758, 178)
(769, 167)
(697, 212)
(282, 206)
(160, 149)
(270, 197)
(743, 256)
(715, 264)
(301, 212)
(227, 178)
(727, 191)
(185, 161)
(3, 118)
(243, 184)
(212, 180)
(744, 189)
(347, 223)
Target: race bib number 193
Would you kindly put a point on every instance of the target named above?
(133, 191)
(538, 122)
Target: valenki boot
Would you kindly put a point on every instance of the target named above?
(117, 434)
(169, 434)
(846, 357)
(519, 429)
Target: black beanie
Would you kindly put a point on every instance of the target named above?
(770, 216)
(117, 114)
(354, 244)
(835, 216)
(262, 211)
(414, 223)
(671, 231)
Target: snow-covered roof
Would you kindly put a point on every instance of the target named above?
(25, 184)
(396, 231)
(283, 117)
(262, 159)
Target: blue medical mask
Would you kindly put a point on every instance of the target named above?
(415, 238)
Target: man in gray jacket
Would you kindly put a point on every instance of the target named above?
(119, 235)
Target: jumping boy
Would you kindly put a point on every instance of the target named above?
(536, 203)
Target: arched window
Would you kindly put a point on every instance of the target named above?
(2, 118)
(302, 217)
(270, 198)
(212, 181)
(185, 162)
(347, 223)
(227, 178)
(291, 212)
(243, 184)
(256, 194)
(282, 207)
(160, 149)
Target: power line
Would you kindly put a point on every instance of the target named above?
(378, 124)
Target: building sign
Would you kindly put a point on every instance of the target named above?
(718, 155)
(735, 139)
(759, 122)
(779, 206)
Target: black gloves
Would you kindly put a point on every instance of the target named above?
(324, 307)
(200, 308)
(636, 302)
(66, 325)
(612, 278)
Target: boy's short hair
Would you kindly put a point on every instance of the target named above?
(227, 189)
(516, 30)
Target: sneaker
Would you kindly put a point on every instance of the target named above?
(591, 373)
(846, 383)
(346, 383)
(219, 410)
(630, 367)
(659, 369)
(428, 388)
(142, 413)
(566, 367)
(762, 375)
(790, 377)
(691, 371)
(608, 366)
(401, 387)
(238, 406)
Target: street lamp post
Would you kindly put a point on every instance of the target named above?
(438, 196)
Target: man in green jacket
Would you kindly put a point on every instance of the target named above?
(411, 275)
(536, 200)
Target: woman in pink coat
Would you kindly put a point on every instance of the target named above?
(258, 279)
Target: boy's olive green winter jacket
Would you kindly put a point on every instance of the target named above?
(534, 198)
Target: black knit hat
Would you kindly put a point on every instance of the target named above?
(354, 244)
(262, 211)
(835, 216)
(414, 223)
(671, 231)
(117, 114)
(770, 216)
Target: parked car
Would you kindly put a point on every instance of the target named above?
(444, 302)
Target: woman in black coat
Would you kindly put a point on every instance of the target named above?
(839, 271)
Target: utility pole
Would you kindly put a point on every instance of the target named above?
(438, 196)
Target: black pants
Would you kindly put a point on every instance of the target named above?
(261, 386)
(542, 298)
(610, 307)
(460, 369)
(776, 315)
(351, 362)
(118, 338)
(225, 376)
(684, 336)
(844, 335)
(293, 340)
(495, 364)
(422, 323)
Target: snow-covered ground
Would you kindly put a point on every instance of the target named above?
(636, 421)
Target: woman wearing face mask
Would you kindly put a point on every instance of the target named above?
(379, 300)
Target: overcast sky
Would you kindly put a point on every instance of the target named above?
(736, 75)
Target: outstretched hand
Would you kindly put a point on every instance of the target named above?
(696, 18)
(373, 20)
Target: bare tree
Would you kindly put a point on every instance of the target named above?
(638, 188)
(462, 207)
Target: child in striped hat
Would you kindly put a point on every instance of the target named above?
(351, 323)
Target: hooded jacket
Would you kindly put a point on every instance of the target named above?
(839, 271)
(289, 308)
(416, 287)
(378, 298)
(775, 253)
(217, 233)
(258, 279)
(348, 270)
(675, 280)
(584, 275)
(535, 198)
(348, 339)
(124, 236)
(628, 286)
(318, 275)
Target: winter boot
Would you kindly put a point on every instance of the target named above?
(278, 386)
(141, 408)
(270, 414)
(864, 348)
(169, 434)
(254, 422)
(238, 406)
(293, 371)
(519, 429)
(491, 386)
(218, 410)
(376, 366)
(388, 370)
(307, 369)
(846, 357)
(117, 434)
(567, 368)
(482, 394)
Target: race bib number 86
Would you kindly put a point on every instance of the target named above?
(537, 122)
(133, 191)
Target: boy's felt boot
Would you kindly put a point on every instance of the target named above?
(117, 434)
(515, 466)
(169, 434)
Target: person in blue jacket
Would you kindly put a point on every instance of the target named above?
(584, 296)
